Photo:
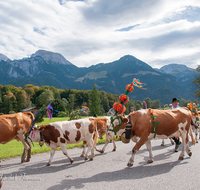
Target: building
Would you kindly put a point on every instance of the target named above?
(31, 109)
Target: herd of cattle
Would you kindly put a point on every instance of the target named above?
(173, 123)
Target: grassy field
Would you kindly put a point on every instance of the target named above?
(15, 148)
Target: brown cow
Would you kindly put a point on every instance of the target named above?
(102, 125)
(14, 126)
(172, 123)
(59, 134)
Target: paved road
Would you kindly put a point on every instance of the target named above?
(107, 171)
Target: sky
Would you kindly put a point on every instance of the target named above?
(88, 32)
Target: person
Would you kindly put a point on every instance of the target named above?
(111, 112)
(132, 110)
(175, 105)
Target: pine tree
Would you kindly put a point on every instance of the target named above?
(95, 105)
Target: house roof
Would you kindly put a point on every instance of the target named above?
(28, 109)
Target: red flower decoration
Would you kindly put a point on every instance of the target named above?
(129, 88)
(123, 98)
(119, 108)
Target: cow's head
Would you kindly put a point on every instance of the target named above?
(35, 134)
(118, 125)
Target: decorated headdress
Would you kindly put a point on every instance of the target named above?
(123, 98)
(119, 107)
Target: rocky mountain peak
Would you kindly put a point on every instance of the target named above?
(51, 57)
(4, 58)
(174, 67)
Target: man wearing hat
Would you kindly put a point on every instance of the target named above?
(175, 105)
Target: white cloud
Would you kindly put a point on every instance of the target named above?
(85, 32)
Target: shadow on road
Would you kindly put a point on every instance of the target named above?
(41, 168)
(125, 174)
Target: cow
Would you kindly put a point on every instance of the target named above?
(172, 123)
(59, 134)
(103, 124)
(196, 128)
(14, 126)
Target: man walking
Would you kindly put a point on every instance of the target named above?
(175, 105)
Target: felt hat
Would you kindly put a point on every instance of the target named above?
(174, 100)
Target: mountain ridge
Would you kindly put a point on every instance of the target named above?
(42, 68)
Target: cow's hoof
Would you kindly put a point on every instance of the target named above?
(129, 164)
(101, 151)
(162, 145)
(48, 164)
(86, 158)
(27, 160)
(114, 149)
(150, 161)
(82, 155)
(22, 161)
(196, 141)
(190, 154)
(180, 158)
(71, 161)
(91, 159)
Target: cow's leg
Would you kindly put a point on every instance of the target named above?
(84, 147)
(135, 149)
(51, 156)
(172, 142)
(64, 150)
(96, 141)
(90, 148)
(23, 158)
(187, 146)
(29, 154)
(183, 133)
(196, 134)
(26, 147)
(106, 143)
(114, 144)
(149, 148)
(163, 142)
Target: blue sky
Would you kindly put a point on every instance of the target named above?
(89, 32)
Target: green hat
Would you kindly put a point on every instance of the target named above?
(174, 100)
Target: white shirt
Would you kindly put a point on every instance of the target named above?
(175, 107)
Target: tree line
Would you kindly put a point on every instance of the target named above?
(14, 99)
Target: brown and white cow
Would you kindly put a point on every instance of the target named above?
(172, 123)
(13, 126)
(59, 134)
(103, 124)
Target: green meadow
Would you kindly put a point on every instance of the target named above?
(15, 148)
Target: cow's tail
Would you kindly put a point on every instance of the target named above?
(30, 114)
(96, 135)
(192, 137)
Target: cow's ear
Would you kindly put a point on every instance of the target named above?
(42, 127)
(125, 120)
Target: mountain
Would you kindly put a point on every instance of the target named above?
(3, 57)
(48, 68)
(181, 72)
